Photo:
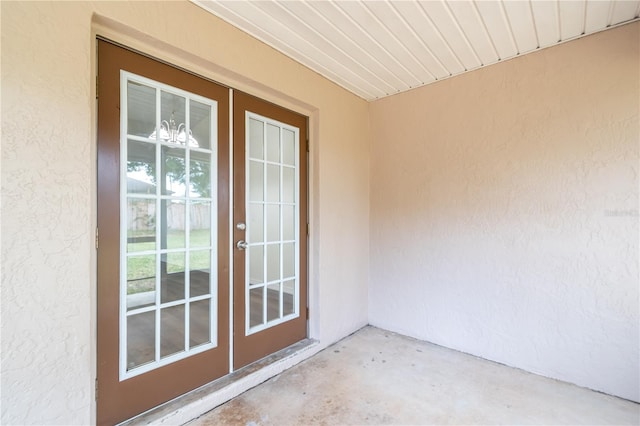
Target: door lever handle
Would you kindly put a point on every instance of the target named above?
(242, 245)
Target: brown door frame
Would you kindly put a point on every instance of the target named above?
(255, 346)
(118, 401)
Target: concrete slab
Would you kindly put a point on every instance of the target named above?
(379, 377)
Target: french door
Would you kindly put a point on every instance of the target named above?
(163, 224)
(270, 210)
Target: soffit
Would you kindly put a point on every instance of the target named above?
(379, 48)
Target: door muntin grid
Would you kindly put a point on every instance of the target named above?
(272, 197)
(168, 224)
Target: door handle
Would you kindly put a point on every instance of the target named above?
(242, 245)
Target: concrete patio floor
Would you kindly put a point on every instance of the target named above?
(378, 377)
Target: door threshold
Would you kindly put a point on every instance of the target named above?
(193, 404)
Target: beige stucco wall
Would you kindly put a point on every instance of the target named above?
(48, 180)
(504, 212)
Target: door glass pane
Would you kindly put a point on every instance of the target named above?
(172, 273)
(273, 262)
(141, 109)
(200, 224)
(141, 339)
(256, 305)
(200, 175)
(200, 119)
(172, 224)
(273, 143)
(273, 223)
(256, 181)
(199, 273)
(288, 223)
(141, 281)
(141, 167)
(255, 230)
(256, 264)
(288, 297)
(141, 224)
(199, 325)
(288, 260)
(288, 147)
(173, 118)
(273, 183)
(273, 302)
(288, 185)
(172, 171)
(256, 139)
(171, 330)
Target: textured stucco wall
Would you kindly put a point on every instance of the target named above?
(48, 178)
(504, 212)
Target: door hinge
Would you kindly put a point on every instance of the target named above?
(96, 389)
(97, 239)
(308, 230)
(307, 312)
(307, 145)
(96, 87)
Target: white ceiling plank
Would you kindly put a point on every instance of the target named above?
(424, 28)
(572, 18)
(362, 40)
(339, 31)
(597, 15)
(545, 17)
(324, 27)
(380, 41)
(623, 10)
(498, 28)
(358, 74)
(397, 31)
(429, 58)
(522, 26)
(270, 32)
(445, 22)
(470, 22)
(406, 37)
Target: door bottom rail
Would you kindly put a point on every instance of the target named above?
(193, 404)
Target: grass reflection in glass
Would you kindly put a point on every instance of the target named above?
(141, 270)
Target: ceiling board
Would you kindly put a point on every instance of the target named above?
(474, 30)
(520, 19)
(376, 48)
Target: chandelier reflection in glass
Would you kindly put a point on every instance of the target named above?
(171, 133)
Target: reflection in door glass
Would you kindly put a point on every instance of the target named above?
(200, 175)
(141, 99)
(141, 281)
(200, 118)
(168, 228)
(141, 224)
(199, 325)
(256, 314)
(199, 273)
(256, 139)
(172, 276)
(172, 330)
(273, 143)
(141, 335)
(273, 302)
(200, 224)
